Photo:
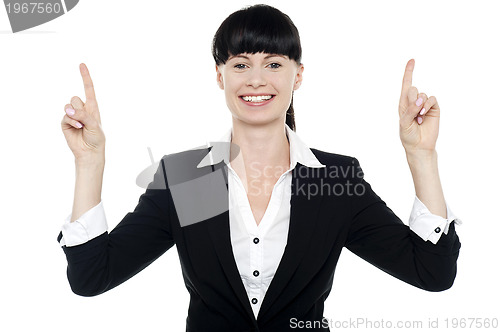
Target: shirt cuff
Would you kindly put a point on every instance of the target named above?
(430, 226)
(90, 225)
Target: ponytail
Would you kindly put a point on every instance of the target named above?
(290, 116)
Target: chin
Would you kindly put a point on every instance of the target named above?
(258, 119)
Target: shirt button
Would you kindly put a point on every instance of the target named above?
(256, 273)
(437, 230)
(256, 240)
(254, 300)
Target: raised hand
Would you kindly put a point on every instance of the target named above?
(418, 116)
(81, 124)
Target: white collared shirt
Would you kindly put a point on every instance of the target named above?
(257, 248)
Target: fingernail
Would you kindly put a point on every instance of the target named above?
(419, 101)
(70, 111)
(419, 120)
(422, 111)
(78, 124)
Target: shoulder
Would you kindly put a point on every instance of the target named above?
(334, 159)
(339, 167)
(191, 155)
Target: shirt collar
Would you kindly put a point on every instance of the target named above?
(299, 151)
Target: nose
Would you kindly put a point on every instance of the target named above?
(256, 78)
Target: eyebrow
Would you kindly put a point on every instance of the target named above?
(267, 57)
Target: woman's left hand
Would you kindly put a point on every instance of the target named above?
(418, 116)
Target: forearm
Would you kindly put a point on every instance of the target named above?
(424, 170)
(88, 187)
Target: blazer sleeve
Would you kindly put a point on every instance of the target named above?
(140, 238)
(378, 236)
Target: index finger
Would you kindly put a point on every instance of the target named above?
(87, 82)
(407, 79)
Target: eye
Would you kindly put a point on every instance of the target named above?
(239, 66)
(274, 65)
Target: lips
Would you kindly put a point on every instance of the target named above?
(257, 100)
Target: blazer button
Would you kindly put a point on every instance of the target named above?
(254, 300)
(437, 230)
(256, 240)
(256, 273)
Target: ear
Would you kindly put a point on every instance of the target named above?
(220, 81)
(298, 76)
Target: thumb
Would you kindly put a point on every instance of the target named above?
(412, 95)
(82, 116)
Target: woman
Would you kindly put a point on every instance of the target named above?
(266, 261)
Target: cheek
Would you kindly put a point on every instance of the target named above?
(232, 83)
(228, 93)
(286, 86)
(286, 83)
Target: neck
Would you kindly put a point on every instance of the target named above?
(262, 145)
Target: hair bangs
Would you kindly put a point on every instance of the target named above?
(257, 29)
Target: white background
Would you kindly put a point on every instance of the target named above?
(155, 83)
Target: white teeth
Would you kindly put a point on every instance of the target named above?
(256, 99)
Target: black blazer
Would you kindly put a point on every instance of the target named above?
(320, 226)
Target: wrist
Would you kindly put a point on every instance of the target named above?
(423, 165)
(421, 157)
(96, 162)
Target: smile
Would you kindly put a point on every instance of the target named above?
(257, 99)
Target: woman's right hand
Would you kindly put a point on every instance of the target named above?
(82, 128)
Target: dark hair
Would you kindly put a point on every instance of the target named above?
(254, 29)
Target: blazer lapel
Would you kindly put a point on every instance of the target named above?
(218, 228)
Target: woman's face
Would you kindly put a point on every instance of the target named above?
(258, 87)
